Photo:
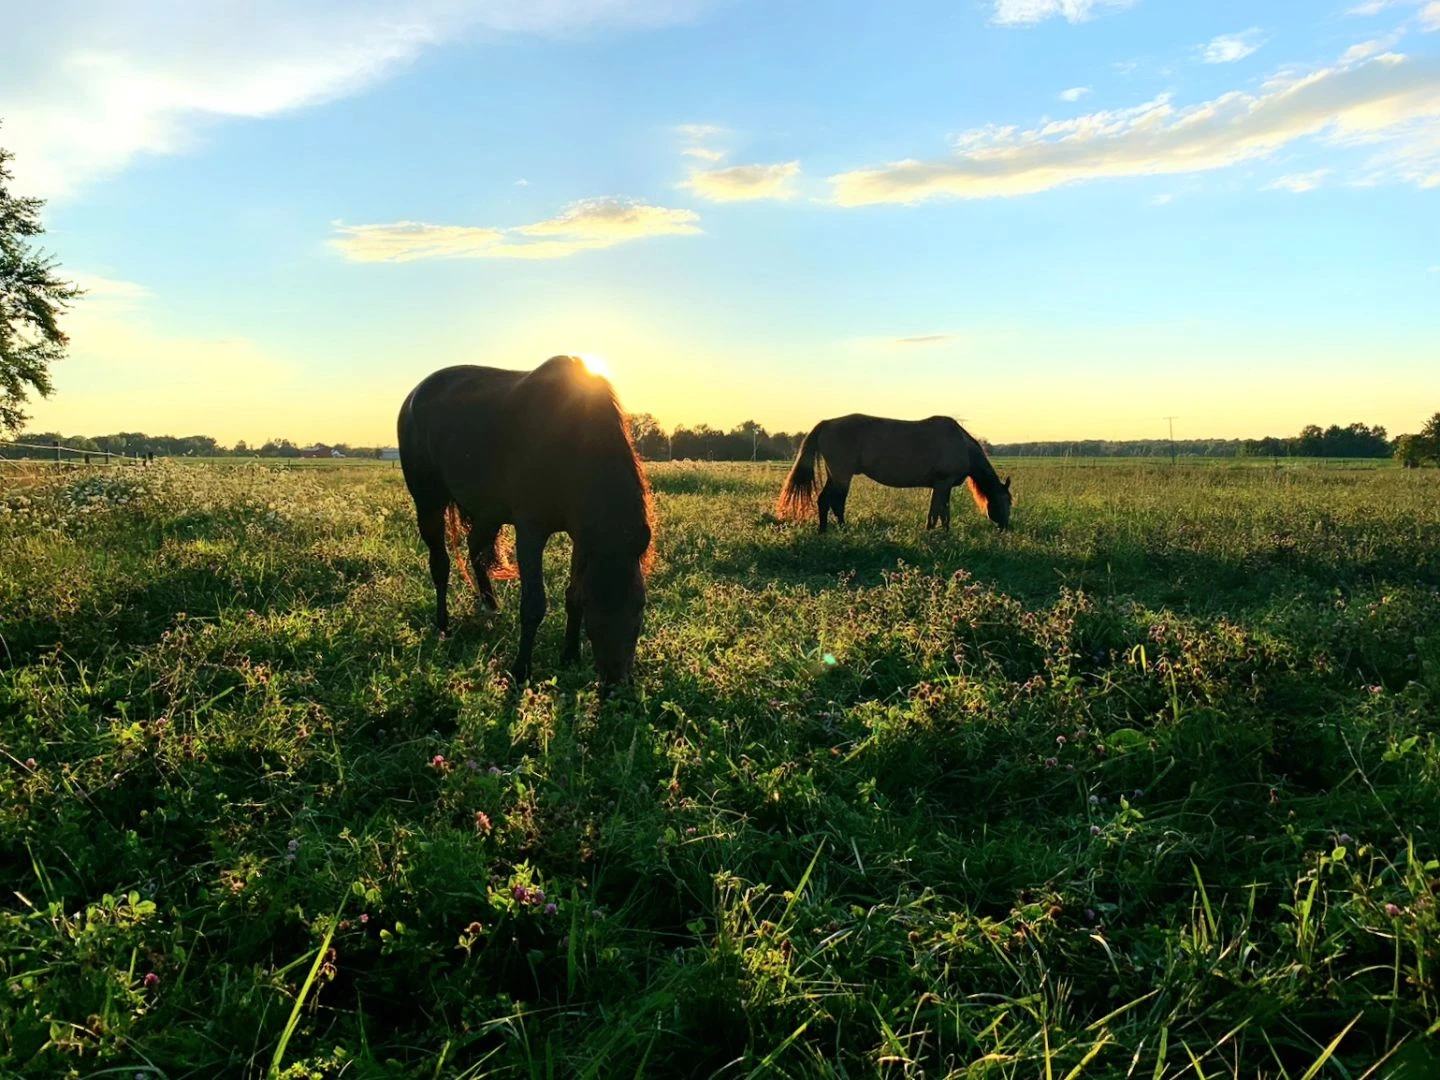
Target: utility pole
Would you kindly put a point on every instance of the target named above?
(1171, 419)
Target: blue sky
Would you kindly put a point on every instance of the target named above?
(1051, 218)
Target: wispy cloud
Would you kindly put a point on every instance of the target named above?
(88, 87)
(121, 372)
(1228, 48)
(1428, 16)
(1390, 102)
(733, 183)
(1075, 93)
(744, 183)
(582, 226)
(924, 339)
(1299, 183)
(700, 141)
(111, 292)
(1161, 199)
(699, 132)
(1031, 12)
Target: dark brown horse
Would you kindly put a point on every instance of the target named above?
(936, 453)
(546, 451)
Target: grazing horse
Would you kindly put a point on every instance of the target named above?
(936, 453)
(547, 451)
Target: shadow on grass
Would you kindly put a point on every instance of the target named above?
(1245, 581)
(131, 617)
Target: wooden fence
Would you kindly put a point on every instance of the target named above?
(56, 452)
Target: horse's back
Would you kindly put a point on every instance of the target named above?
(495, 438)
(899, 453)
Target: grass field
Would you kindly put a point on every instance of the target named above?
(1147, 787)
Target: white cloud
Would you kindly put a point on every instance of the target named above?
(522, 182)
(1031, 12)
(1228, 48)
(744, 183)
(1428, 16)
(1162, 198)
(1075, 93)
(583, 226)
(1391, 102)
(1355, 53)
(1299, 183)
(90, 86)
(705, 153)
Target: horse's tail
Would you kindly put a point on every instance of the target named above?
(797, 497)
(457, 533)
(499, 562)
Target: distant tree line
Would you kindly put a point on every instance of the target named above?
(745, 442)
(751, 442)
(1355, 441)
(138, 444)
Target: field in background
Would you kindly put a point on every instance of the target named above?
(1146, 786)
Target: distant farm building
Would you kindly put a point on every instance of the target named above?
(319, 450)
(389, 453)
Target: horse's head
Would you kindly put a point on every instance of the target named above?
(998, 505)
(613, 581)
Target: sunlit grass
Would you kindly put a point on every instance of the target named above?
(1147, 786)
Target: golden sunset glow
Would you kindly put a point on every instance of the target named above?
(596, 365)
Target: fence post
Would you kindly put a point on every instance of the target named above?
(57, 451)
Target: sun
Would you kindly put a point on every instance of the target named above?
(596, 365)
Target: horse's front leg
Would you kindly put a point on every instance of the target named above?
(574, 609)
(529, 554)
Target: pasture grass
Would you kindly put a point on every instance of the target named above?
(1146, 787)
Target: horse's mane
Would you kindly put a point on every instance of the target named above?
(984, 482)
(609, 444)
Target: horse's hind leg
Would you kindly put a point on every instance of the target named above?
(432, 530)
(837, 500)
(832, 500)
(482, 551)
(939, 507)
(530, 554)
(574, 610)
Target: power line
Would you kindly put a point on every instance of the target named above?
(1172, 420)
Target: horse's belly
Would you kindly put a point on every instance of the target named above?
(891, 476)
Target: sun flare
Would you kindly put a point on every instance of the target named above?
(596, 365)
